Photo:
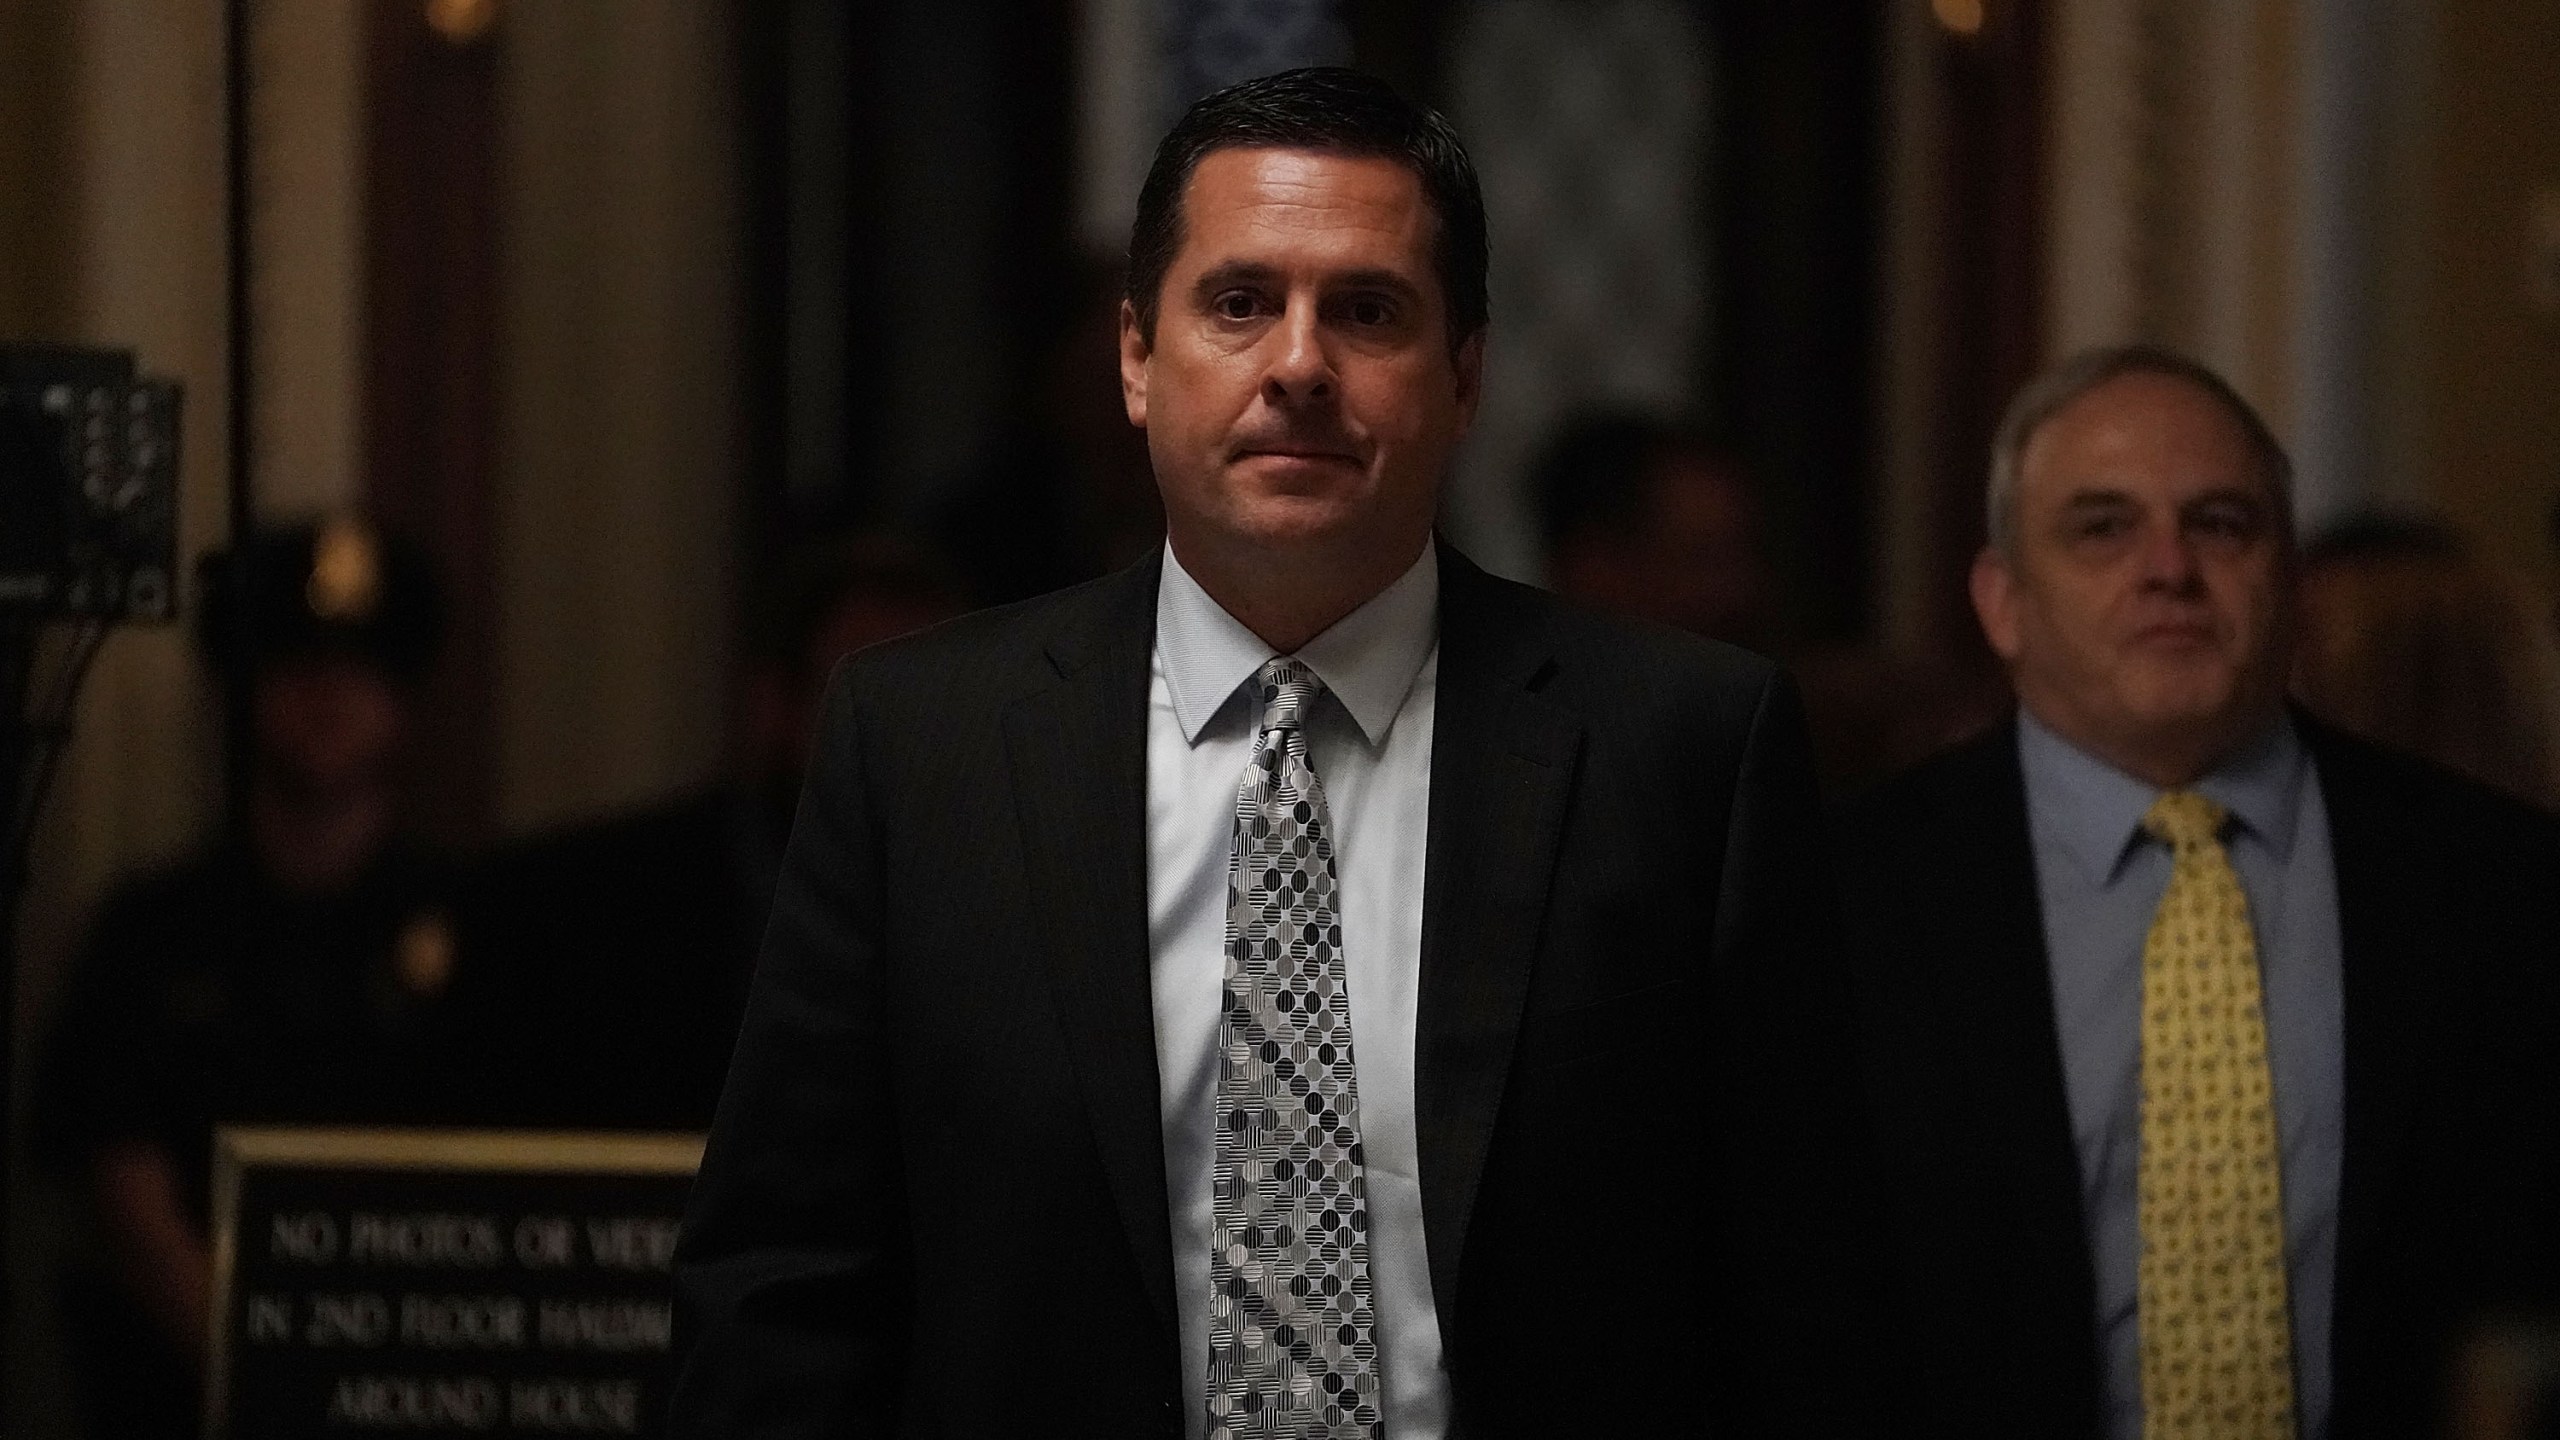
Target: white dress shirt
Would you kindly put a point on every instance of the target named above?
(1369, 742)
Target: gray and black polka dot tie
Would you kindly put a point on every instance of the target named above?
(1292, 1348)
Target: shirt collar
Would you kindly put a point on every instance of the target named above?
(2093, 811)
(1368, 658)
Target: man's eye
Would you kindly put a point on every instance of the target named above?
(1368, 310)
(2101, 527)
(2226, 523)
(1234, 305)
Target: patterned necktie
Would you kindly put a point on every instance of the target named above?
(1292, 1349)
(2217, 1348)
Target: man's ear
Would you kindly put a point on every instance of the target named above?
(1469, 363)
(1995, 600)
(1134, 351)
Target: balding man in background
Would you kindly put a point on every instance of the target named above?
(2211, 1050)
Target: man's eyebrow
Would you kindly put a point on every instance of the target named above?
(1248, 272)
(2249, 495)
(1232, 272)
(1387, 280)
(2093, 499)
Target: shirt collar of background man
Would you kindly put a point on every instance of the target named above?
(2094, 811)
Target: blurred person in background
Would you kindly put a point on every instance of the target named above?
(2410, 639)
(1647, 520)
(627, 942)
(304, 969)
(1068, 495)
(2210, 1048)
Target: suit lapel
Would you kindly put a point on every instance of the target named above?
(1994, 1013)
(2379, 944)
(1502, 766)
(1078, 752)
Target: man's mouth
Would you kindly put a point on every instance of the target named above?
(1295, 452)
(2177, 635)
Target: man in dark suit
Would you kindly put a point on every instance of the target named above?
(2210, 1049)
(1302, 985)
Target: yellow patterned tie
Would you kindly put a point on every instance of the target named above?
(2217, 1345)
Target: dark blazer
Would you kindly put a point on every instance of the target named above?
(2449, 901)
(934, 1202)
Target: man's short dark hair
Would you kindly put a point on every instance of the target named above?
(1330, 109)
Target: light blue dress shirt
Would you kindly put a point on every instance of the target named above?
(2100, 879)
(1370, 746)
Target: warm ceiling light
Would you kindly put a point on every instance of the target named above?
(1960, 17)
(461, 21)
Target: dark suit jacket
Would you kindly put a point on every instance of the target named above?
(2449, 901)
(934, 1202)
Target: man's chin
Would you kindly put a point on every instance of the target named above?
(2179, 710)
(2187, 711)
(2187, 682)
(1289, 522)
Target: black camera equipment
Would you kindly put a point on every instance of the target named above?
(88, 540)
(88, 487)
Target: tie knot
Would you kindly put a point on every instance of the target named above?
(2183, 819)
(1286, 687)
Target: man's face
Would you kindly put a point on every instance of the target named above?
(328, 726)
(1299, 393)
(1691, 560)
(2144, 612)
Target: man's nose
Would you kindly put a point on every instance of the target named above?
(1300, 372)
(2169, 558)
